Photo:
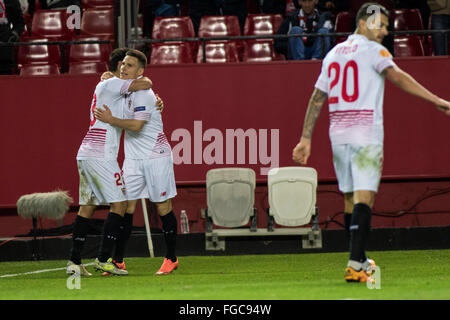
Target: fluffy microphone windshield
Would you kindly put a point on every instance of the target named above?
(52, 205)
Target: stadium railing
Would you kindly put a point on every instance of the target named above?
(132, 43)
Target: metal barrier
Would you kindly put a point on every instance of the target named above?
(133, 42)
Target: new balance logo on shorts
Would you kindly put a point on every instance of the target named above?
(163, 194)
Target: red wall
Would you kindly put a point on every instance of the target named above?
(44, 120)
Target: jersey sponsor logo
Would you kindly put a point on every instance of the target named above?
(140, 108)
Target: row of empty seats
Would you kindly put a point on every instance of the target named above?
(53, 24)
(231, 205)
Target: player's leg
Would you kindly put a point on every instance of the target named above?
(125, 232)
(366, 172)
(79, 235)
(170, 227)
(348, 210)
(109, 189)
(87, 201)
(161, 185)
(136, 189)
(111, 230)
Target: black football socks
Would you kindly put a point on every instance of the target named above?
(359, 232)
(169, 225)
(124, 235)
(111, 230)
(79, 233)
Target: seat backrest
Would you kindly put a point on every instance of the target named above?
(258, 51)
(344, 22)
(87, 67)
(219, 52)
(51, 24)
(173, 27)
(407, 19)
(89, 51)
(219, 26)
(38, 54)
(262, 24)
(230, 196)
(98, 21)
(171, 53)
(39, 70)
(408, 46)
(96, 3)
(292, 195)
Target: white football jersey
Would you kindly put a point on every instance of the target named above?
(351, 77)
(150, 142)
(102, 140)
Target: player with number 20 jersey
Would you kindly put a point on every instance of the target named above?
(351, 77)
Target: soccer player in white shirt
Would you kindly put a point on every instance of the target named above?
(148, 167)
(352, 79)
(100, 176)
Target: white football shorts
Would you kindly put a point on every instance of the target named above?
(150, 178)
(101, 182)
(358, 167)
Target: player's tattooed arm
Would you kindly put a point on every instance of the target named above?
(314, 107)
(302, 150)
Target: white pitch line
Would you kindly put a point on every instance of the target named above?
(37, 271)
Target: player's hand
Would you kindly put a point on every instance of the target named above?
(443, 106)
(148, 81)
(302, 151)
(159, 103)
(107, 75)
(103, 115)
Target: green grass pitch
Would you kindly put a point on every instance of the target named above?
(419, 275)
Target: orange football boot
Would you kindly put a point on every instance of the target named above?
(351, 275)
(167, 267)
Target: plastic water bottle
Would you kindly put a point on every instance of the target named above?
(184, 222)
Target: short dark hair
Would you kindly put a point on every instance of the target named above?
(142, 59)
(116, 56)
(363, 12)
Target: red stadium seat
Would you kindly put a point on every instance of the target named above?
(38, 54)
(407, 19)
(98, 23)
(51, 24)
(89, 52)
(408, 46)
(219, 26)
(87, 67)
(171, 53)
(262, 24)
(344, 23)
(258, 51)
(85, 4)
(39, 70)
(219, 52)
(175, 27)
